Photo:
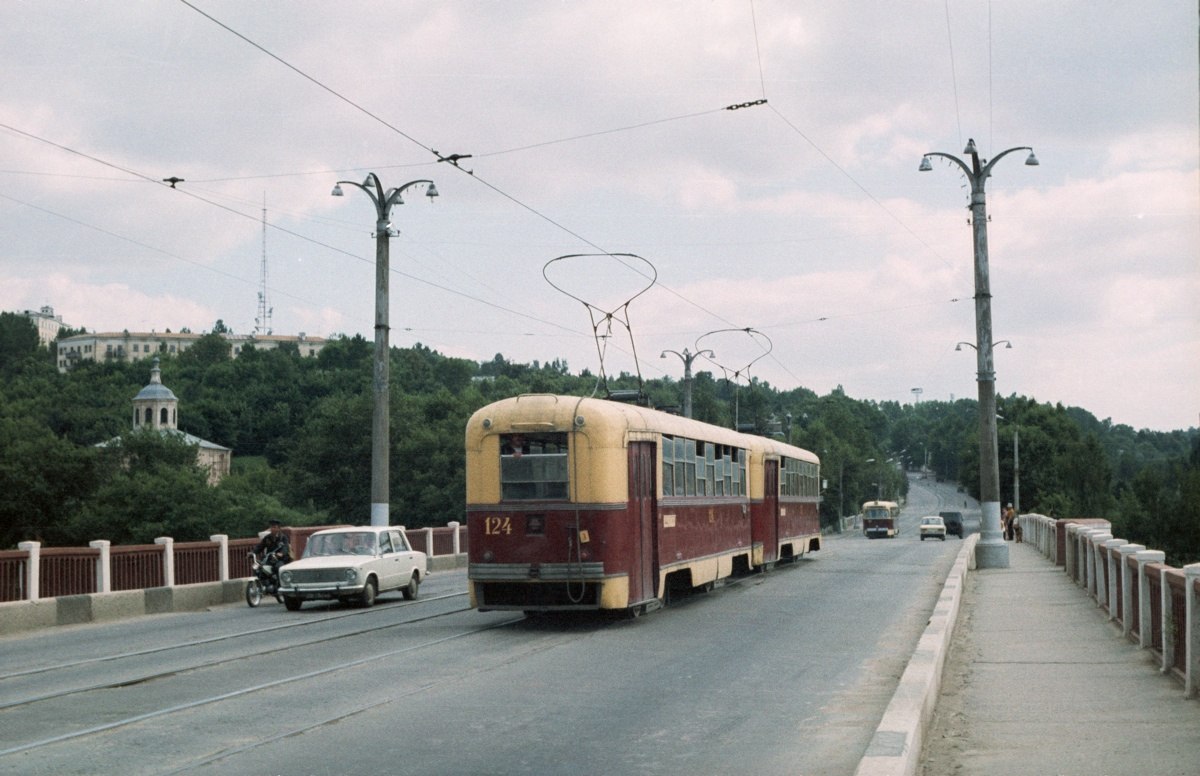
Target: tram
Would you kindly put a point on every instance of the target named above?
(589, 504)
(881, 518)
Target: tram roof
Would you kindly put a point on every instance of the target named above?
(524, 412)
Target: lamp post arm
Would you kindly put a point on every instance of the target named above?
(966, 170)
(374, 199)
(987, 170)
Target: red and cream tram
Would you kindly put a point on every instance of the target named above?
(576, 503)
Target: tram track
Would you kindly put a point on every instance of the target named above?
(245, 691)
(148, 677)
(222, 638)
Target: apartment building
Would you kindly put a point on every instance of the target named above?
(134, 346)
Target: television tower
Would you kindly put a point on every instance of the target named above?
(262, 323)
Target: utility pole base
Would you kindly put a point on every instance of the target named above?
(991, 555)
(991, 552)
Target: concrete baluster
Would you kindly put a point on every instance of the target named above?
(1110, 554)
(222, 541)
(1145, 625)
(1071, 566)
(33, 569)
(1099, 584)
(168, 545)
(457, 540)
(1191, 674)
(103, 565)
(1128, 577)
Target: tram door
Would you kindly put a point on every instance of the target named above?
(644, 571)
(770, 537)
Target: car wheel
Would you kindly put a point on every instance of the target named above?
(922, 538)
(292, 603)
(411, 589)
(253, 593)
(368, 594)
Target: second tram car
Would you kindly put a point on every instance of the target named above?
(881, 518)
(578, 503)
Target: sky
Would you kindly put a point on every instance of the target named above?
(733, 176)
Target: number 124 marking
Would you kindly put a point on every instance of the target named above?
(494, 526)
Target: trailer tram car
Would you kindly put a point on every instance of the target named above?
(589, 504)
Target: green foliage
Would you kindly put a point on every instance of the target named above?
(18, 342)
(300, 431)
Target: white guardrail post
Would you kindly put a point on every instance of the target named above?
(454, 525)
(1191, 673)
(103, 565)
(33, 569)
(1128, 578)
(222, 541)
(168, 545)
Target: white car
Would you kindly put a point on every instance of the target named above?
(353, 565)
(933, 527)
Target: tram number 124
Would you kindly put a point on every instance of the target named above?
(494, 526)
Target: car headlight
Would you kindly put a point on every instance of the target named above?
(285, 577)
(351, 575)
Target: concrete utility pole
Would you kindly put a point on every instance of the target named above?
(687, 357)
(380, 420)
(991, 552)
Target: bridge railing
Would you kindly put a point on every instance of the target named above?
(33, 572)
(1157, 605)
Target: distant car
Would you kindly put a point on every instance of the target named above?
(353, 565)
(933, 527)
(954, 523)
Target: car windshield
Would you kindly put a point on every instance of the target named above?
(350, 543)
(932, 520)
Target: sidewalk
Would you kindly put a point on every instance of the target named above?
(1038, 681)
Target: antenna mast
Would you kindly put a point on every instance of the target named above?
(262, 324)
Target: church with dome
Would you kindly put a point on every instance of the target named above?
(156, 407)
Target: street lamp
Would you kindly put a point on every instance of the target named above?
(687, 357)
(380, 425)
(991, 552)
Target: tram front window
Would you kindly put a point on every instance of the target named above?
(533, 466)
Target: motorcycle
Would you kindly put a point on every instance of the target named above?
(264, 578)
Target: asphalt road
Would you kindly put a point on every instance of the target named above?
(786, 672)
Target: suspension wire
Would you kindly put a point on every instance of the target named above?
(953, 72)
(758, 51)
(991, 129)
(256, 220)
(454, 159)
(862, 188)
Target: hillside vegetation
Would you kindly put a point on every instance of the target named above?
(300, 431)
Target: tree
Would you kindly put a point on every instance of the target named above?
(18, 341)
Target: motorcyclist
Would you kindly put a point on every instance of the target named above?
(272, 550)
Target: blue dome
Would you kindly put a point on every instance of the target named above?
(155, 392)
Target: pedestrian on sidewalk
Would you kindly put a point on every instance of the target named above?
(1008, 522)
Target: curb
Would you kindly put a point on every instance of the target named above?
(895, 749)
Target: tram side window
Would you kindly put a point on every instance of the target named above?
(668, 467)
(533, 466)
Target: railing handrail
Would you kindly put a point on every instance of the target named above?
(18, 567)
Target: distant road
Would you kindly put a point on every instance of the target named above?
(781, 673)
